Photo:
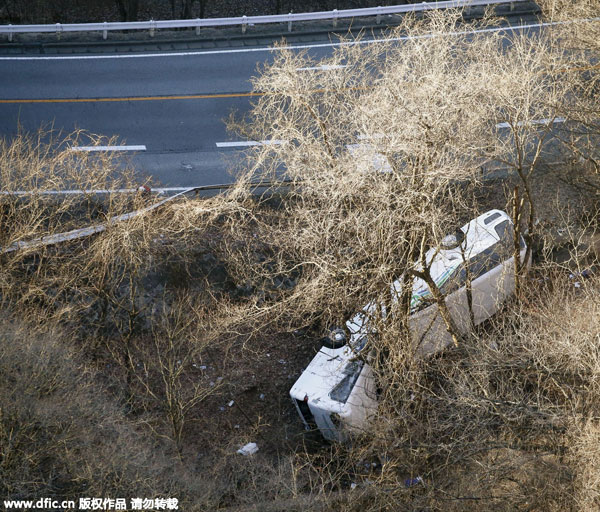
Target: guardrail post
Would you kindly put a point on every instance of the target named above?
(152, 27)
(58, 31)
(378, 17)
(290, 22)
(198, 26)
(335, 18)
(10, 34)
(105, 31)
(244, 24)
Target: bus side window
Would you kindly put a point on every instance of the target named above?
(457, 279)
(485, 261)
(506, 233)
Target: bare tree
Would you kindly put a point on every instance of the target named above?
(381, 144)
(167, 376)
(404, 109)
(534, 126)
(33, 168)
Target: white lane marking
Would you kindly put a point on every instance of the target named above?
(534, 121)
(296, 47)
(108, 148)
(91, 191)
(324, 67)
(370, 137)
(247, 143)
(373, 158)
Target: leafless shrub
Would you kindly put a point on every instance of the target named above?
(165, 371)
(32, 169)
(60, 434)
(585, 458)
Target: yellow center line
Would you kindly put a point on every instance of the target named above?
(136, 98)
(206, 96)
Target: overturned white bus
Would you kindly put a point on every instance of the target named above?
(337, 393)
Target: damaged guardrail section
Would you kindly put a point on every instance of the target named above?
(84, 232)
(99, 228)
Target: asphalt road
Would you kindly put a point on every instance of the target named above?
(173, 103)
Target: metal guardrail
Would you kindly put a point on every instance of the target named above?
(244, 21)
(83, 232)
(99, 228)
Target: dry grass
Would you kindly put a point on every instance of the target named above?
(60, 432)
(505, 421)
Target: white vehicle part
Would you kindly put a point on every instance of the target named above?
(317, 393)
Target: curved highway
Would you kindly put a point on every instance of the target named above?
(173, 104)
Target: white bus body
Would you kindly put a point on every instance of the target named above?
(336, 393)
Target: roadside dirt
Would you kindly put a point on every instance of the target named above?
(252, 403)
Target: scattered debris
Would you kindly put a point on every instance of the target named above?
(248, 449)
(411, 482)
(262, 396)
(585, 274)
(230, 404)
(145, 190)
